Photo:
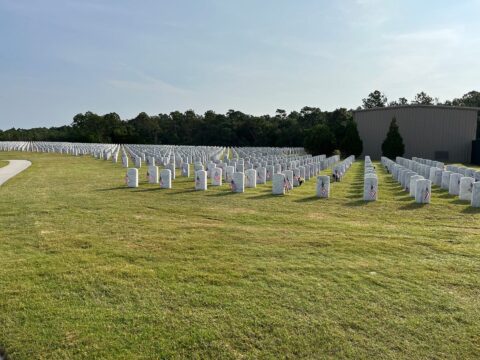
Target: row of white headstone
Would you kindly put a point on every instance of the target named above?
(240, 164)
(163, 154)
(370, 181)
(418, 175)
(458, 180)
(104, 151)
(217, 170)
(282, 181)
(339, 169)
(411, 181)
(196, 154)
(265, 165)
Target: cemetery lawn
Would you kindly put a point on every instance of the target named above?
(91, 269)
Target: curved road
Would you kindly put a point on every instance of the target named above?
(14, 168)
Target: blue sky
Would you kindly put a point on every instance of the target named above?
(62, 57)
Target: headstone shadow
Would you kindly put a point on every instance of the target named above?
(222, 193)
(186, 191)
(460, 202)
(445, 195)
(405, 198)
(412, 206)
(263, 196)
(359, 202)
(471, 210)
(114, 188)
(308, 199)
(150, 189)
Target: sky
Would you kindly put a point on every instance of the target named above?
(59, 58)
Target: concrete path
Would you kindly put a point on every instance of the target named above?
(14, 168)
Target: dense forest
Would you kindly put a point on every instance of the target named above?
(319, 131)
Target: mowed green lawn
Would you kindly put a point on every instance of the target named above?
(91, 269)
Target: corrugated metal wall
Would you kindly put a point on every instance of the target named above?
(425, 130)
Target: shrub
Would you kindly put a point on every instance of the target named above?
(393, 145)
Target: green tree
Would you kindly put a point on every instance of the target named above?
(401, 101)
(337, 121)
(393, 145)
(319, 140)
(422, 98)
(351, 143)
(374, 99)
(472, 99)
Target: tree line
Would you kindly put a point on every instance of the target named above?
(234, 128)
(379, 99)
(320, 132)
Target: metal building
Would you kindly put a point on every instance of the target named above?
(443, 133)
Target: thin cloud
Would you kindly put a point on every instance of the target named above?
(147, 83)
(446, 34)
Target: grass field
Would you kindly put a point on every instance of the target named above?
(3, 163)
(91, 269)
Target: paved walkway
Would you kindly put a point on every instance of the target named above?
(14, 168)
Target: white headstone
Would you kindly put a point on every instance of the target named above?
(277, 168)
(323, 186)
(261, 175)
(470, 172)
(302, 171)
(288, 179)
(445, 180)
(406, 180)
(251, 178)
(270, 172)
(437, 180)
(454, 186)
(278, 184)
(152, 174)
(413, 182)
(171, 167)
(431, 175)
(125, 161)
(166, 179)
(131, 179)
(186, 169)
(201, 180)
(476, 176)
(307, 172)
(423, 191)
(466, 188)
(296, 177)
(237, 184)
(138, 162)
(198, 166)
(210, 167)
(476, 195)
(370, 188)
(151, 161)
(217, 176)
(229, 170)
